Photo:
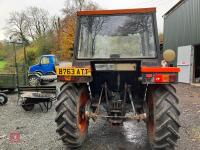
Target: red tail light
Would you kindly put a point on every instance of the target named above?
(172, 78)
(158, 78)
(164, 78)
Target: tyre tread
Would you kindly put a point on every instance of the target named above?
(166, 119)
(66, 116)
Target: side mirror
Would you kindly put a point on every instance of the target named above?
(169, 55)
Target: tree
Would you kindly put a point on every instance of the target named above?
(29, 24)
(17, 26)
(1, 45)
(2, 51)
(38, 22)
(68, 23)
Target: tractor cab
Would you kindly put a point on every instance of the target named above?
(117, 35)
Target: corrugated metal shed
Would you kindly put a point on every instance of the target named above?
(182, 25)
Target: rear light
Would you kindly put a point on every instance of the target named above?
(165, 78)
(61, 78)
(172, 78)
(64, 78)
(149, 75)
(158, 78)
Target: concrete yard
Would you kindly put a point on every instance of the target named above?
(37, 129)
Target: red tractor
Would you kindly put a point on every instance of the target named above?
(117, 67)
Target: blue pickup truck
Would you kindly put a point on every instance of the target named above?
(43, 71)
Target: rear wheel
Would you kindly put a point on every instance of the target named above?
(72, 123)
(3, 99)
(163, 117)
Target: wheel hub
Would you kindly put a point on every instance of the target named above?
(82, 118)
(33, 81)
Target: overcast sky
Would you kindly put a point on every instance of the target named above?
(55, 6)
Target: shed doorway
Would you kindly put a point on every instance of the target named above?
(196, 77)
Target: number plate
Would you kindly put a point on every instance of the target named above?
(73, 71)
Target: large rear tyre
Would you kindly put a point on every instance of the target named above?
(3, 99)
(72, 123)
(163, 117)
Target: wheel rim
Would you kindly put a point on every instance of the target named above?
(82, 118)
(33, 81)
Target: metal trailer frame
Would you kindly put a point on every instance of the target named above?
(29, 96)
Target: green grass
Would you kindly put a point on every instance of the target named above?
(2, 65)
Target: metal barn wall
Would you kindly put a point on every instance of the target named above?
(182, 25)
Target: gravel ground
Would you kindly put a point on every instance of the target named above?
(37, 129)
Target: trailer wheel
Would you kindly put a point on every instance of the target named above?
(163, 117)
(72, 123)
(3, 99)
(33, 80)
(27, 106)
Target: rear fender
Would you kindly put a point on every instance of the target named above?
(159, 75)
(34, 74)
(51, 73)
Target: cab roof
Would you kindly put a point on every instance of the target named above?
(116, 11)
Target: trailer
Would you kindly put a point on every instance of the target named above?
(28, 97)
(9, 81)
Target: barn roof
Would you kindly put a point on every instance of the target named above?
(177, 5)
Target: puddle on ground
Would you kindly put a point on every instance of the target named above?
(134, 131)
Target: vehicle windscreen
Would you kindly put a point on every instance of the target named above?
(116, 36)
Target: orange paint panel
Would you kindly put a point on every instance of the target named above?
(112, 12)
(159, 69)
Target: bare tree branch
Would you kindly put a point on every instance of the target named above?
(17, 26)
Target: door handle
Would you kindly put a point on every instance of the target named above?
(183, 64)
